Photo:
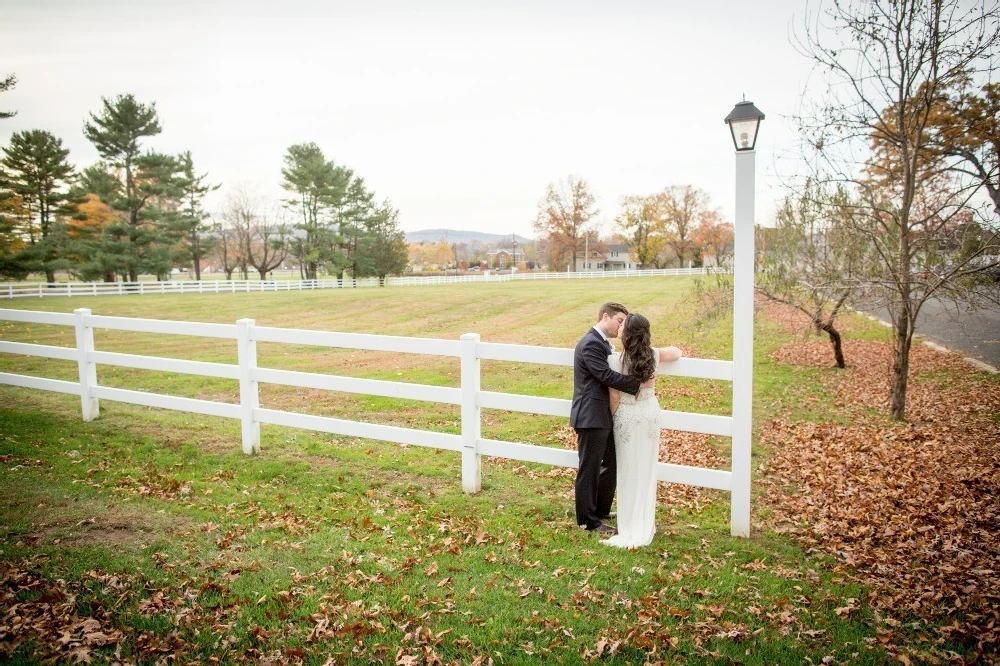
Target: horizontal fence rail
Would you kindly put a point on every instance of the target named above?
(469, 396)
(44, 290)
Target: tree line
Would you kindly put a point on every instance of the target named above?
(140, 212)
(676, 226)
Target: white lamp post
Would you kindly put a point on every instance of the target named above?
(743, 121)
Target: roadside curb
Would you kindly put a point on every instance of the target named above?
(974, 362)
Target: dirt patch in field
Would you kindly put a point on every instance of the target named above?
(113, 528)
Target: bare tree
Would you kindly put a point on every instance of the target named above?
(884, 67)
(261, 234)
(808, 260)
(233, 233)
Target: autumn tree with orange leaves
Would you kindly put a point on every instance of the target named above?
(683, 207)
(713, 237)
(565, 220)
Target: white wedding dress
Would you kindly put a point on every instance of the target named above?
(637, 444)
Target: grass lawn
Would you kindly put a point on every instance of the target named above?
(147, 533)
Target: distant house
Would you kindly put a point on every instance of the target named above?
(501, 259)
(613, 257)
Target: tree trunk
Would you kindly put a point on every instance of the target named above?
(50, 276)
(900, 365)
(196, 259)
(838, 351)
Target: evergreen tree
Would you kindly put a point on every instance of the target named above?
(384, 250)
(319, 187)
(5, 85)
(17, 257)
(35, 168)
(93, 248)
(148, 187)
(356, 214)
(195, 239)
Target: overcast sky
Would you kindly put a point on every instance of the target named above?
(461, 113)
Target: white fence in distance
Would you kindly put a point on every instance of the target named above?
(469, 395)
(43, 290)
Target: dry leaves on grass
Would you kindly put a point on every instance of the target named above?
(911, 507)
(676, 447)
(44, 611)
(792, 320)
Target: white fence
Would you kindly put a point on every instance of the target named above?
(42, 290)
(469, 395)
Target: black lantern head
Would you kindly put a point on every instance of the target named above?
(744, 121)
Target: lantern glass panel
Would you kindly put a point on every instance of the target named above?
(744, 133)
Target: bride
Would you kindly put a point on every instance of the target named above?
(637, 433)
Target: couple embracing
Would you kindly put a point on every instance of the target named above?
(617, 422)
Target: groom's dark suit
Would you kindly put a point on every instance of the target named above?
(590, 415)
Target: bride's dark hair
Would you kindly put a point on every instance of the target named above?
(638, 359)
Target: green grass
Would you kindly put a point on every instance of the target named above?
(334, 547)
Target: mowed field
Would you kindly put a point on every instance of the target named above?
(146, 536)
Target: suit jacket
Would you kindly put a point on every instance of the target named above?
(591, 378)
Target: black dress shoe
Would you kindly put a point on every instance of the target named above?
(604, 530)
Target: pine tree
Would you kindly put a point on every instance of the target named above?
(356, 213)
(149, 186)
(192, 219)
(17, 257)
(5, 85)
(319, 187)
(35, 168)
(383, 251)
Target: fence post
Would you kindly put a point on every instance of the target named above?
(472, 470)
(743, 287)
(87, 370)
(249, 398)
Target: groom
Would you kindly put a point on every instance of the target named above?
(590, 416)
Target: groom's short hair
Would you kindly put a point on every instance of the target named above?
(611, 309)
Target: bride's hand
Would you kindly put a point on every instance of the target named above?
(668, 354)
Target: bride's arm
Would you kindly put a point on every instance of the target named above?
(616, 397)
(668, 354)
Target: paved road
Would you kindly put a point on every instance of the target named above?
(977, 334)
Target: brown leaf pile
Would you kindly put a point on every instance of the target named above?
(692, 449)
(42, 610)
(911, 508)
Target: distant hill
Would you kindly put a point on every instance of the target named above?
(459, 236)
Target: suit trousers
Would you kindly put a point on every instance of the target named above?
(596, 477)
